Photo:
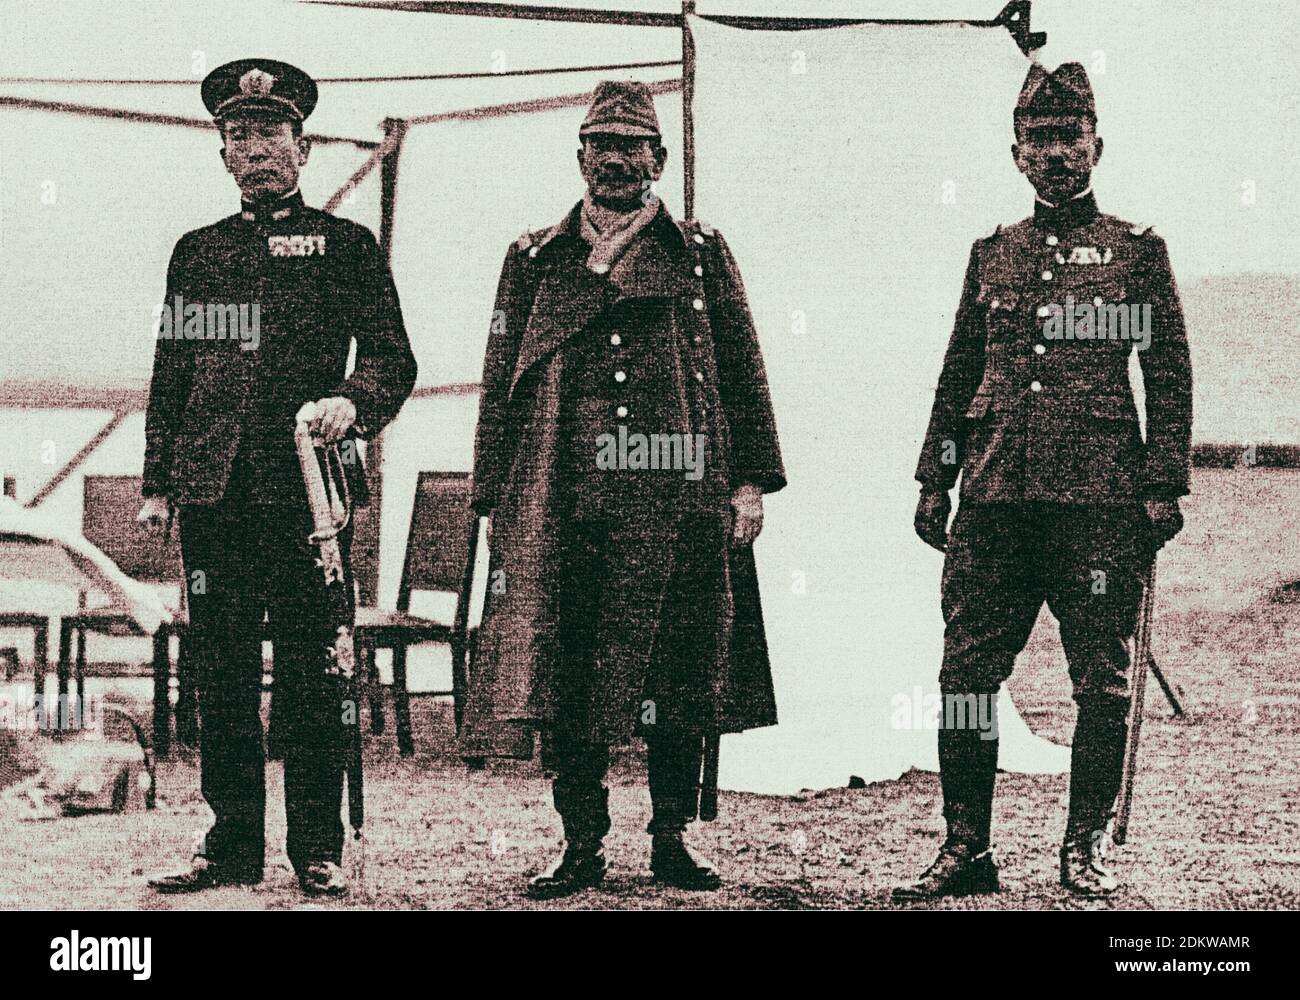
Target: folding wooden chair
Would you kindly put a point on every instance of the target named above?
(110, 504)
(440, 551)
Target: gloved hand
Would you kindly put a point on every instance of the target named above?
(1166, 520)
(156, 516)
(931, 521)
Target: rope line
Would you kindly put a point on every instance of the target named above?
(642, 19)
(150, 118)
(416, 78)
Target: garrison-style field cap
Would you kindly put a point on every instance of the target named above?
(621, 107)
(1064, 91)
(265, 86)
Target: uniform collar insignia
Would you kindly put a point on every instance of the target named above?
(1078, 211)
(311, 245)
(274, 211)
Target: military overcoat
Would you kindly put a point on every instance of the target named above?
(547, 296)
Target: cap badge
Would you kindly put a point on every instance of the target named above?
(256, 83)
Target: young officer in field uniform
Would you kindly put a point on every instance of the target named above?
(629, 601)
(1061, 500)
(219, 451)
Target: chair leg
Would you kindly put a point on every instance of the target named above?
(162, 672)
(459, 681)
(376, 691)
(80, 671)
(402, 702)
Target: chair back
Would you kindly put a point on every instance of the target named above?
(110, 504)
(442, 542)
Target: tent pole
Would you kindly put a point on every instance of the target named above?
(75, 462)
(367, 538)
(688, 112)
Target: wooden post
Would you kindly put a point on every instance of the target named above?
(366, 532)
(688, 111)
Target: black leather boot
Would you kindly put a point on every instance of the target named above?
(204, 873)
(584, 809)
(1083, 870)
(580, 865)
(968, 767)
(957, 871)
(673, 863)
(1096, 769)
(968, 771)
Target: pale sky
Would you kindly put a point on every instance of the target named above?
(1197, 106)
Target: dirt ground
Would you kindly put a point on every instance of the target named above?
(1216, 823)
(1216, 819)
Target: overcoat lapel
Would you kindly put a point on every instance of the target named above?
(652, 267)
(570, 296)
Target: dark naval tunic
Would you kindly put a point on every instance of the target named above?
(219, 445)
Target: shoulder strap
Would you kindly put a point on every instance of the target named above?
(532, 241)
(692, 228)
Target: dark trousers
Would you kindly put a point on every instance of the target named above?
(582, 800)
(1003, 562)
(242, 561)
(641, 609)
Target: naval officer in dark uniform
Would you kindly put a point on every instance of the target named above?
(625, 440)
(263, 308)
(1061, 498)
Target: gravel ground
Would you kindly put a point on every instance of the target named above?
(1216, 819)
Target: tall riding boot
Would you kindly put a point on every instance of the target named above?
(1096, 770)
(583, 804)
(968, 765)
(673, 767)
(968, 768)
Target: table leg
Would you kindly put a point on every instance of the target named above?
(64, 668)
(41, 654)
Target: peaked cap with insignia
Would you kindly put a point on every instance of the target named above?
(265, 86)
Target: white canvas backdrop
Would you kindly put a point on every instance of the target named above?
(853, 227)
(852, 221)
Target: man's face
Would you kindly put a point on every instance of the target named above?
(263, 155)
(1057, 154)
(618, 169)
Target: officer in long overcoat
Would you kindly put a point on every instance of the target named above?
(261, 311)
(1061, 498)
(625, 440)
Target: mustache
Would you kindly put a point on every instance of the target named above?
(616, 172)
